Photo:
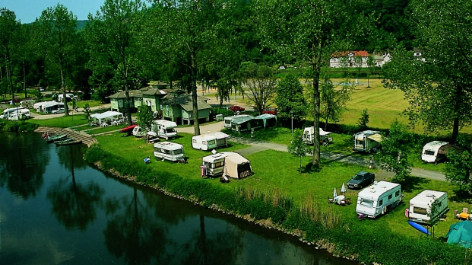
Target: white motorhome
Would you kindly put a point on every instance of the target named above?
(48, 108)
(367, 141)
(214, 164)
(378, 199)
(169, 151)
(434, 152)
(309, 136)
(164, 128)
(209, 141)
(7, 112)
(420, 206)
(228, 120)
(139, 132)
(21, 114)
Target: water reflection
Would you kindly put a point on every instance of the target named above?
(22, 164)
(74, 204)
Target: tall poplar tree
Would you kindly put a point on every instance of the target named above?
(57, 29)
(9, 30)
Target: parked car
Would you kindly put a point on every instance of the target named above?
(360, 180)
(236, 108)
(59, 110)
(272, 111)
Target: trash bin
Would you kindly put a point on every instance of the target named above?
(219, 117)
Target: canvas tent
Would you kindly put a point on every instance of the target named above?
(269, 120)
(110, 115)
(236, 166)
(460, 233)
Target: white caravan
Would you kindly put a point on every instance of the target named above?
(309, 136)
(169, 151)
(164, 128)
(214, 164)
(139, 132)
(434, 151)
(367, 141)
(420, 206)
(378, 199)
(209, 141)
(228, 120)
(7, 112)
(21, 114)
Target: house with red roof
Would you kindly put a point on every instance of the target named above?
(347, 59)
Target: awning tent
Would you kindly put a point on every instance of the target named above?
(110, 115)
(268, 119)
(460, 233)
(236, 166)
(376, 137)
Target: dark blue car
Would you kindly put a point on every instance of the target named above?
(360, 180)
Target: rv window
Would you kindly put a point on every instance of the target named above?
(194, 141)
(397, 193)
(204, 142)
(219, 164)
(211, 142)
(367, 203)
(390, 196)
(429, 152)
(170, 130)
(380, 202)
(419, 210)
(177, 152)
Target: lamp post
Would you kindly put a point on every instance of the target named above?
(291, 115)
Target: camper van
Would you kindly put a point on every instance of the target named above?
(21, 114)
(169, 151)
(434, 152)
(214, 164)
(378, 199)
(164, 128)
(309, 136)
(229, 119)
(7, 112)
(367, 141)
(420, 206)
(209, 141)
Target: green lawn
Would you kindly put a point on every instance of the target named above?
(276, 172)
(62, 121)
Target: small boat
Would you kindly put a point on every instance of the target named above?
(68, 141)
(58, 137)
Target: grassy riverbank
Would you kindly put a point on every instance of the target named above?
(279, 196)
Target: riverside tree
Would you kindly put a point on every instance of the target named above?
(309, 31)
(438, 85)
(9, 29)
(57, 28)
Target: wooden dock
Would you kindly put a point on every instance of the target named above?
(77, 135)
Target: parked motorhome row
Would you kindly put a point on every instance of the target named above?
(378, 199)
(16, 113)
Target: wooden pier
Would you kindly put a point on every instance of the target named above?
(77, 135)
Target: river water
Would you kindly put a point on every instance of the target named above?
(56, 209)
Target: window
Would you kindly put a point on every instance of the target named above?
(429, 152)
(194, 141)
(177, 152)
(212, 142)
(204, 142)
(220, 164)
(380, 202)
(366, 202)
(419, 210)
(390, 196)
(397, 193)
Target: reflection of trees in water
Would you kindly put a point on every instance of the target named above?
(71, 156)
(134, 232)
(23, 160)
(74, 204)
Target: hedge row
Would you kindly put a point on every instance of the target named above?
(374, 244)
(17, 126)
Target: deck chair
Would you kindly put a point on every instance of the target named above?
(465, 210)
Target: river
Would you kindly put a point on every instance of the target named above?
(56, 209)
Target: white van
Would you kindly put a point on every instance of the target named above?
(214, 164)
(228, 120)
(169, 151)
(209, 141)
(420, 206)
(378, 199)
(434, 152)
(164, 128)
(22, 114)
(7, 112)
(309, 136)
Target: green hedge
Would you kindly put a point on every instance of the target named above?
(17, 126)
(375, 244)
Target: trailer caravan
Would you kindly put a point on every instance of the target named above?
(435, 151)
(7, 112)
(367, 141)
(421, 206)
(50, 107)
(213, 165)
(139, 132)
(228, 120)
(243, 124)
(21, 114)
(209, 141)
(169, 151)
(309, 136)
(164, 129)
(378, 199)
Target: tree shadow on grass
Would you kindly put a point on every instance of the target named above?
(309, 168)
(411, 183)
(461, 196)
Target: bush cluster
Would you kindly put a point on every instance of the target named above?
(17, 126)
(377, 244)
